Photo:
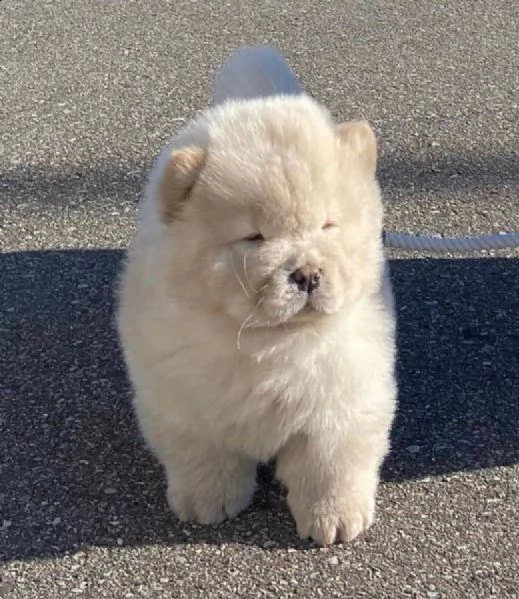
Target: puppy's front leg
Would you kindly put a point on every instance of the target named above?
(332, 480)
(206, 484)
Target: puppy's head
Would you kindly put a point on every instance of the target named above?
(275, 217)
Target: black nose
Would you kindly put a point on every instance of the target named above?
(307, 279)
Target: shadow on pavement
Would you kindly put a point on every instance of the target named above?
(436, 173)
(432, 173)
(75, 474)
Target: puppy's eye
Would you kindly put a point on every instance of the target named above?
(255, 238)
(329, 225)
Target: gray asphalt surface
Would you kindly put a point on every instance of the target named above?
(89, 93)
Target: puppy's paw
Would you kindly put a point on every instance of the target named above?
(211, 500)
(330, 520)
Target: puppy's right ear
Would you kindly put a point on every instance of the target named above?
(179, 175)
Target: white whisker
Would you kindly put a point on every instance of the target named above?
(251, 286)
(245, 322)
(243, 325)
(236, 274)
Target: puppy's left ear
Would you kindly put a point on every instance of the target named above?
(178, 177)
(359, 139)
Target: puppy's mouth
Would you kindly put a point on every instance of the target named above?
(312, 307)
(302, 310)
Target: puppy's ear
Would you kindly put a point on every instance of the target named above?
(179, 176)
(359, 138)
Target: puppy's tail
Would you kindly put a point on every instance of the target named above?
(254, 72)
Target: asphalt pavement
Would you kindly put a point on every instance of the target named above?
(89, 93)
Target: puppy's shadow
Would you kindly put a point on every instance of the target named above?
(76, 473)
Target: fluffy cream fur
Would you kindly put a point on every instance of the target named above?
(232, 361)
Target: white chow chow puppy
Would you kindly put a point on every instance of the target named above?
(255, 310)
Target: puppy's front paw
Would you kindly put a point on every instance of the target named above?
(333, 519)
(210, 500)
